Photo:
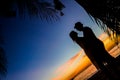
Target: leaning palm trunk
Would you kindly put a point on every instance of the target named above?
(105, 12)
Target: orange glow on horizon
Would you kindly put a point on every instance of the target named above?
(76, 65)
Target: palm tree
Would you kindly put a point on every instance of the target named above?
(106, 13)
(39, 8)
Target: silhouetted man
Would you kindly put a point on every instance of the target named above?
(94, 49)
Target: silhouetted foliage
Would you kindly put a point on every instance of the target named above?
(3, 59)
(105, 12)
(59, 6)
(39, 8)
(3, 62)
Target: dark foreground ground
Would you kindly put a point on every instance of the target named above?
(100, 75)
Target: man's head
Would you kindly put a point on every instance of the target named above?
(73, 35)
(79, 26)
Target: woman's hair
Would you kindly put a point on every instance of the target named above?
(73, 35)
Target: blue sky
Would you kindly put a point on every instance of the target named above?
(35, 48)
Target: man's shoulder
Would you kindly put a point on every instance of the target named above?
(87, 28)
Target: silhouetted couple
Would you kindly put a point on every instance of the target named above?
(95, 50)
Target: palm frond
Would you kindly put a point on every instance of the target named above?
(58, 5)
(44, 10)
(3, 59)
(48, 11)
(6, 9)
(36, 8)
(105, 12)
(3, 62)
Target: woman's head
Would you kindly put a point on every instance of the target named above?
(73, 35)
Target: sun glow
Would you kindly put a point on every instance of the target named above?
(78, 64)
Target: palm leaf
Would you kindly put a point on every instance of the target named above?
(6, 8)
(38, 8)
(3, 59)
(3, 62)
(48, 11)
(105, 12)
(44, 10)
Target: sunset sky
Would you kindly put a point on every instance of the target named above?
(35, 49)
(79, 62)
